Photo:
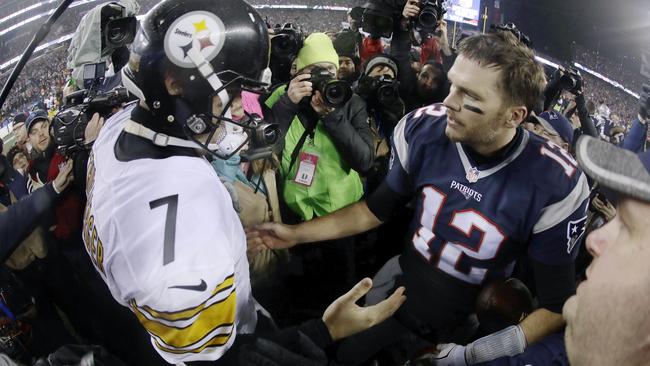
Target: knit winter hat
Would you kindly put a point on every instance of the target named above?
(317, 48)
(383, 60)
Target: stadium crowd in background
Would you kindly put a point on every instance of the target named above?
(476, 188)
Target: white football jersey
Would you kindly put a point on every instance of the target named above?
(163, 235)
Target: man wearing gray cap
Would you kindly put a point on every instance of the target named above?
(608, 320)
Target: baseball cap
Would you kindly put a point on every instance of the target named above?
(35, 116)
(556, 124)
(19, 118)
(615, 168)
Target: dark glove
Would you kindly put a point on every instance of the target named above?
(296, 350)
(578, 82)
(644, 103)
(569, 79)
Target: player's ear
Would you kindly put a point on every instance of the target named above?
(172, 84)
(516, 115)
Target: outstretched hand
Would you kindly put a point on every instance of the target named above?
(64, 177)
(344, 317)
(270, 235)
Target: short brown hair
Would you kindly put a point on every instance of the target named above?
(522, 78)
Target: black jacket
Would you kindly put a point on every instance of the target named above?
(400, 49)
(347, 126)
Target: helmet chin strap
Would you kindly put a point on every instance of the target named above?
(234, 136)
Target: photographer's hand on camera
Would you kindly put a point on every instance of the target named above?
(299, 87)
(319, 106)
(411, 10)
(92, 128)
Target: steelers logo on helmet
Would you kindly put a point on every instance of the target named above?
(198, 32)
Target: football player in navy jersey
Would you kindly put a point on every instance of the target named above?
(487, 193)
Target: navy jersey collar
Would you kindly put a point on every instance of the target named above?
(486, 166)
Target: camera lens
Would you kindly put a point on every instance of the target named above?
(387, 94)
(269, 134)
(428, 18)
(116, 35)
(284, 45)
(336, 93)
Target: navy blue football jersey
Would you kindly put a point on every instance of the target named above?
(474, 221)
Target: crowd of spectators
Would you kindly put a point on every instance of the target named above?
(618, 101)
(42, 80)
(614, 68)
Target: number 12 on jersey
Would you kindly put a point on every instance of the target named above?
(466, 222)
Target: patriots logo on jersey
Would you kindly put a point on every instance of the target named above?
(574, 231)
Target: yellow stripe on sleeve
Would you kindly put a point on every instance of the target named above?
(217, 341)
(220, 314)
(188, 313)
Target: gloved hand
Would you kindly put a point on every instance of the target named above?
(644, 103)
(578, 83)
(296, 350)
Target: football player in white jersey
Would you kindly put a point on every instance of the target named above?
(159, 226)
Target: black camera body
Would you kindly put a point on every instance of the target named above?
(383, 90)
(378, 17)
(287, 41)
(512, 28)
(285, 45)
(335, 92)
(571, 78)
(70, 123)
(263, 138)
(117, 29)
(431, 13)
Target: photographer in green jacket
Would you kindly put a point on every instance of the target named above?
(326, 144)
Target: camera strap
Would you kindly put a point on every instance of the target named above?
(309, 130)
(159, 139)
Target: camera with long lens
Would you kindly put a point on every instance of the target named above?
(431, 13)
(335, 92)
(378, 17)
(286, 41)
(376, 21)
(383, 89)
(117, 29)
(69, 125)
(285, 44)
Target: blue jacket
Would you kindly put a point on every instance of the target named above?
(635, 139)
(20, 218)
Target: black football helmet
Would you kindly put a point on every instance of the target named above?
(212, 48)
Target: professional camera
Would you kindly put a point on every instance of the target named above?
(512, 28)
(378, 17)
(377, 23)
(69, 125)
(570, 79)
(287, 41)
(335, 92)
(383, 89)
(118, 31)
(262, 139)
(431, 13)
(285, 44)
